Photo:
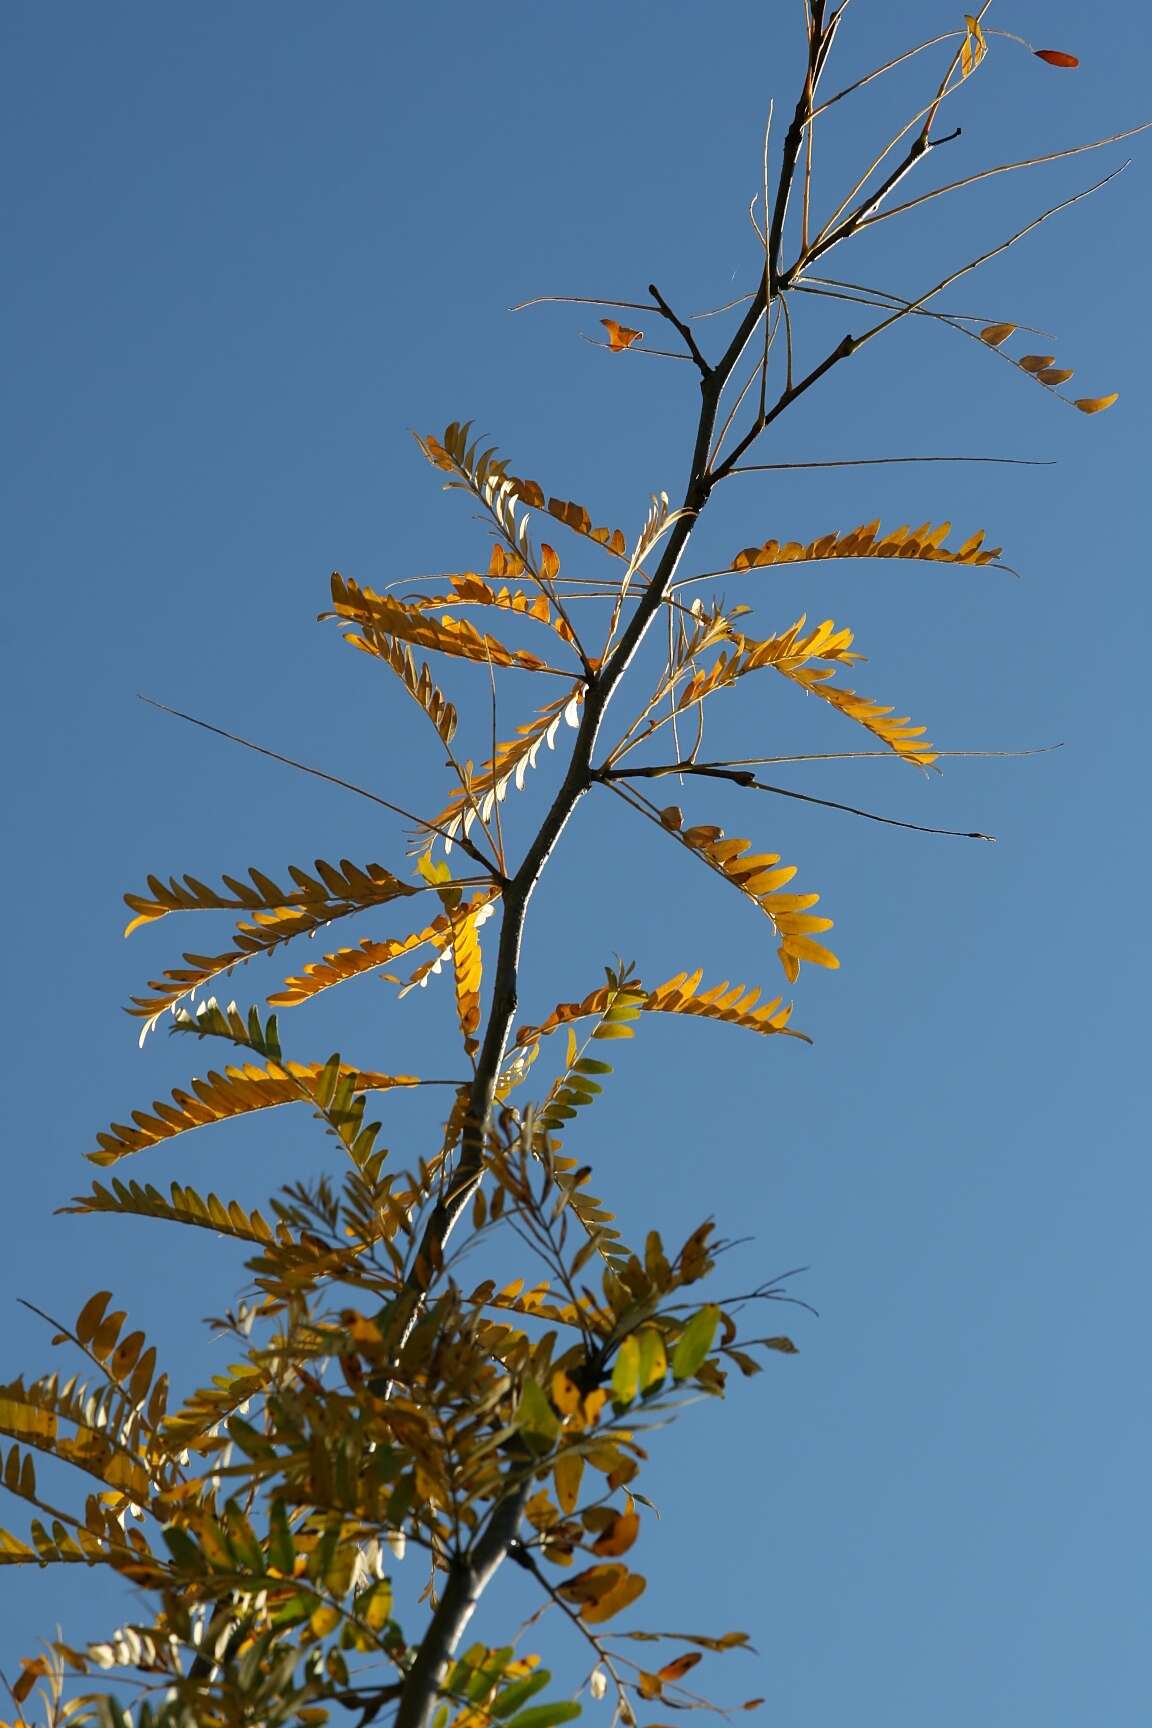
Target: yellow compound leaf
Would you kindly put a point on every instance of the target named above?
(368, 956)
(735, 1005)
(922, 544)
(237, 1092)
(760, 877)
(331, 887)
(483, 790)
(379, 617)
(791, 654)
(620, 336)
(1096, 404)
(470, 589)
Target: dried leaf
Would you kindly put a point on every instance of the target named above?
(1055, 57)
(1096, 404)
(994, 334)
(619, 335)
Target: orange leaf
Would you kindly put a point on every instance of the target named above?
(619, 1536)
(1054, 57)
(1096, 404)
(676, 1670)
(1036, 362)
(1055, 375)
(619, 335)
(994, 334)
(34, 1667)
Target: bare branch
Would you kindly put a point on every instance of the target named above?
(740, 777)
(679, 325)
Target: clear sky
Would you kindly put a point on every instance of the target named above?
(250, 248)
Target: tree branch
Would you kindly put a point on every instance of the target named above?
(741, 777)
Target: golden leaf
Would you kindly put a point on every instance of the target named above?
(346, 884)
(620, 1535)
(1035, 362)
(368, 956)
(619, 335)
(1055, 374)
(735, 1005)
(567, 1472)
(236, 1092)
(470, 589)
(760, 878)
(789, 654)
(513, 758)
(922, 544)
(380, 616)
(994, 334)
(1096, 404)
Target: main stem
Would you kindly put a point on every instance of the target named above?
(470, 1572)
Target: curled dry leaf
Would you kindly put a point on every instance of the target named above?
(1055, 57)
(620, 336)
(1096, 404)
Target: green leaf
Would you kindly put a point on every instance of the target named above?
(626, 1372)
(694, 1342)
(653, 1360)
(536, 1419)
(374, 1605)
(281, 1548)
(547, 1715)
(185, 1554)
(518, 1693)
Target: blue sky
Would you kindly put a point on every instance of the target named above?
(254, 248)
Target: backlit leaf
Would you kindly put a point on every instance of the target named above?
(695, 1342)
(1055, 57)
(994, 334)
(626, 1372)
(620, 336)
(1096, 404)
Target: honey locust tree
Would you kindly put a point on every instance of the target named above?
(383, 1405)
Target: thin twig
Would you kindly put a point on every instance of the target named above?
(583, 300)
(883, 461)
(740, 777)
(490, 869)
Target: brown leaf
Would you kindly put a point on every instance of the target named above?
(1055, 57)
(620, 336)
(1055, 375)
(994, 334)
(1036, 362)
(676, 1670)
(1096, 404)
